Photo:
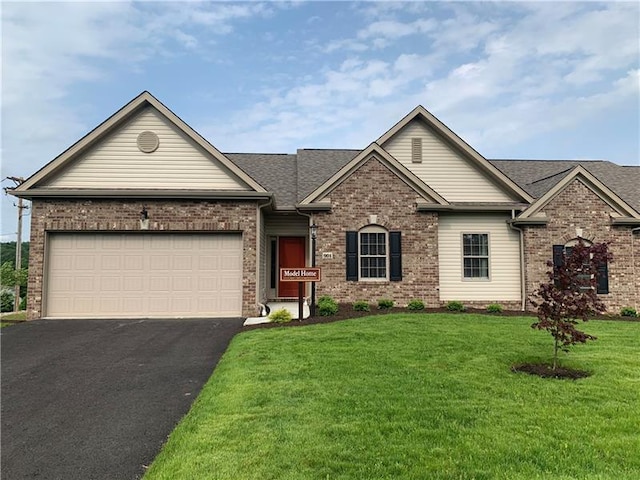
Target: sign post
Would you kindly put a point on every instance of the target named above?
(300, 275)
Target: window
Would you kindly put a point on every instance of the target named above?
(475, 255)
(374, 254)
(560, 252)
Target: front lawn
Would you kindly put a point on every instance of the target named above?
(412, 396)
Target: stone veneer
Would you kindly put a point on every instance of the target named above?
(578, 207)
(374, 190)
(52, 215)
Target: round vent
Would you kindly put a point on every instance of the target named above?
(148, 142)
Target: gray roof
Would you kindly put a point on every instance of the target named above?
(537, 177)
(276, 172)
(317, 166)
(292, 177)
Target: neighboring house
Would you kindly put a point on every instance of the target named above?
(143, 217)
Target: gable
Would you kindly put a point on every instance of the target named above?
(422, 191)
(620, 210)
(444, 168)
(116, 162)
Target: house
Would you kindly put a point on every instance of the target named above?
(143, 217)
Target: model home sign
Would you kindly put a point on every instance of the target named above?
(300, 275)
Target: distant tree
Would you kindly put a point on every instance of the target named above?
(569, 295)
(8, 253)
(9, 277)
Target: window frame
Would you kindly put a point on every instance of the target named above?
(464, 257)
(566, 251)
(374, 229)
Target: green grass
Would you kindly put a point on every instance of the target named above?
(412, 396)
(18, 316)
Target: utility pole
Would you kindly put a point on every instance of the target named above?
(16, 298)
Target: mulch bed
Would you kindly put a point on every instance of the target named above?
(346, 312)
(547, 371)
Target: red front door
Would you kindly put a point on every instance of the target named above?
(291, 255)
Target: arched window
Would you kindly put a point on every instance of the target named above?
(560, 252)
(373, 254)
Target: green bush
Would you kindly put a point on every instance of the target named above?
(416, 305)
(628, 312)
(385, 303)
(455, 306)
(361, 306)
(327, 306)
(6, 301)
(23, 303)
(280, 316)
(494, 308)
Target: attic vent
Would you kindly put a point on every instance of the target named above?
(148, 142)
(416, 150)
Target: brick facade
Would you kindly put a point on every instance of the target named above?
(577, 209)
(374, 190)
(49, 215)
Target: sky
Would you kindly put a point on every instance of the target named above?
(541, 80)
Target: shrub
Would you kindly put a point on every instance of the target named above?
(23, 303)
(327, 306)
(385, 303)
(494, 308)
(416, 305)
(6, 300)
(361, 306)
(455, 306)
(280, 316)
(628, 312)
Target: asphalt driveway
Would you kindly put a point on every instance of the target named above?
(96, 399)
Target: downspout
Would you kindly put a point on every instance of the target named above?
(259, 234)
(633, 266)
(523, 289)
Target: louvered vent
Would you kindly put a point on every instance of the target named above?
(416, 150)
(148, 142)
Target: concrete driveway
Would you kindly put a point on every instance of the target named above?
(96, 399)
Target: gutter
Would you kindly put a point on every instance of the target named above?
(626, 221)
(523, 288)
(140, 193)
(469, 207)
(528, 221)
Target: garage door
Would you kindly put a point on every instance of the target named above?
(143, 275)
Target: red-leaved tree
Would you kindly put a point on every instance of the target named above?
(570, 295)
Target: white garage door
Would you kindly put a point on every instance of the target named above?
(143, 275)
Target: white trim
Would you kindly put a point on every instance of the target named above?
(488, 257)
(374, 229)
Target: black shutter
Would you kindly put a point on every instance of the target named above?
(602, 278)
(352, 256)
(558, 260)
(395, 256)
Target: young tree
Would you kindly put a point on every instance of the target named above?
(570, 295)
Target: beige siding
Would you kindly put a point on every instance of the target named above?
(287, 225)
(504, 259)
(116, 161)
(442, 168)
